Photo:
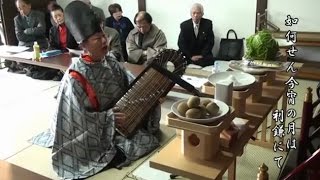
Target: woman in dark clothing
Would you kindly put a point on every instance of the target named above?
(59, 36)
(122, 24)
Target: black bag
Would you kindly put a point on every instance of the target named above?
(43, 73)
(230, 49)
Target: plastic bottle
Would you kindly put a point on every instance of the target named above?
(216, 67)
(36, 51)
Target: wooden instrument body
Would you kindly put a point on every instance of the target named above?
(146, 90)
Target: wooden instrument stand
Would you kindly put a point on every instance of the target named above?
(253, 104)
(200, 141)
(258, 101)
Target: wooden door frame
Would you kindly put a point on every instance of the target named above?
(7, 21)
(142, 5)
(262, 5)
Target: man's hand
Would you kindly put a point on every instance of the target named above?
(119, 117)
(196, 57)
(27, 31)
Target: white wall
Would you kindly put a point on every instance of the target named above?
(168, 15)
(308, 13)
(129, 7)
(306, 10)
(103, 4)
(227, 14)
(63, 3)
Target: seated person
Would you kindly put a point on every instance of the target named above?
(145, 41)
(114, 43)
(59, 36)
(122, 24)
(196, 38)
(85, 140)
(30, 25)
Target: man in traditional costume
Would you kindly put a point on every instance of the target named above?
(85, 137)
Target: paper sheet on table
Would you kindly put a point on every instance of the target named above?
(195, 81)
(208, 68)
(23, 55)
(7, 54)
(193, 66)
(13, 49)
(75, 51)
(223, 66)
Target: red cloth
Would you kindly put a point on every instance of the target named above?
(87, 58)
(85, 84)
(88, 89)
(63, 35)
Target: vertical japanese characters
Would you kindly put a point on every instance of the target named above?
(291, 36)
(278, 115)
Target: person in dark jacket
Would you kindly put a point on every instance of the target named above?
(122, 24)
(145, 41)
(30, 25)
(59, 36)
(196, 38)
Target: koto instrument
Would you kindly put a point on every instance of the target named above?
(152, 84)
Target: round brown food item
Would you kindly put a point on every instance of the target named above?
(212, 108)
(203, 110)
(182, 108)
(193, 113)
(193, 102)
(205, 102)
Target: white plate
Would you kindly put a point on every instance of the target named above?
(223, 110)
(243, 80)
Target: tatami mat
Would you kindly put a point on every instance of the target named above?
(17, 88)
(25, 117)
(38, 159)
(247, 166)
